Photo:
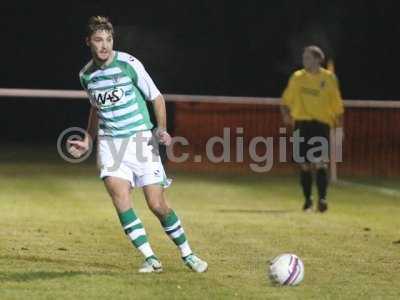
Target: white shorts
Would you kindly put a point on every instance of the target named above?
(132, 159)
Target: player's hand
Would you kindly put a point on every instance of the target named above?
(78, 148)
(288, 120)
(163, 136)
(340, 133)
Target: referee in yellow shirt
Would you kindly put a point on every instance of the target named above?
(311, 104)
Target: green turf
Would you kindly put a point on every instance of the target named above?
(60, 239)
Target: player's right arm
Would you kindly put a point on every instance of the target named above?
(286, 116)
(286, 102)
(79, 148)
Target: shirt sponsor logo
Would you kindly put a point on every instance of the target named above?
(107, 98)
(310, 92)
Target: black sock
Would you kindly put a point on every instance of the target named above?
(322, 183)
(306, 183)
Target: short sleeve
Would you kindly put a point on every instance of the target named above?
(143, 80)
(84, 86)
(289, 92)
(336, 98)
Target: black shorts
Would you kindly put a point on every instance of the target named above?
(310, 142)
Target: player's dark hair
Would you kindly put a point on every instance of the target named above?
(96, 23)
(316, 52)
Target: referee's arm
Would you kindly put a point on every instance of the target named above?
(286, 116)
(337, 103)
(286, 101)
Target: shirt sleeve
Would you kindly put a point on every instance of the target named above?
(84, 86)
(336, 98)
(144, 81)
(289, 92)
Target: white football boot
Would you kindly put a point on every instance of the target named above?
(151, 265)
(195, 263)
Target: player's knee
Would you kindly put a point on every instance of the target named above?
(117, 190)
(305, 167)
(158, 207)
(119, 195)
(321, 165)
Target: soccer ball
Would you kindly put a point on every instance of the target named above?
(286, 269)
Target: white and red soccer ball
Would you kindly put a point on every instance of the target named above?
(286, 269)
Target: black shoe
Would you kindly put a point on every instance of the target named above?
(307, 207)
(322, 205)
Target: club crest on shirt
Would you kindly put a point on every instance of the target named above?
(115, 78)
(322, 84)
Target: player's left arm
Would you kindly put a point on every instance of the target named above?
(161, 117)
(151, 92)
(339, 121)
(337, 103)
(287, 102)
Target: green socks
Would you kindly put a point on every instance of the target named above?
(172, 227)
(134, 229)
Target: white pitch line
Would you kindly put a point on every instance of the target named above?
(374, 188)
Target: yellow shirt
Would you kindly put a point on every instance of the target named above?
(313, 96)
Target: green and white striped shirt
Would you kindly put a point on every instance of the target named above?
(119, 91)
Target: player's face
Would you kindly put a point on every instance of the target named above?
(310, 62)
(101, 44)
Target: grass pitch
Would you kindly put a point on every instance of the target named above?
(60, 238)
